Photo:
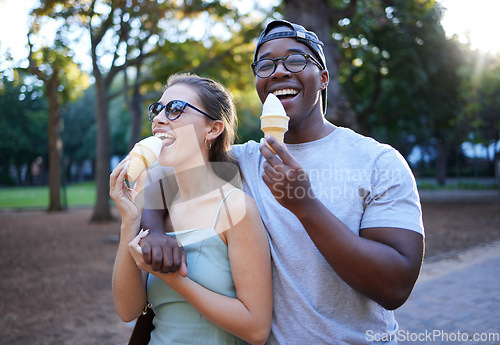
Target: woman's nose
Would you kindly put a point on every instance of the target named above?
(161, 118)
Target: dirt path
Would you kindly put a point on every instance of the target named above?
(56, 269)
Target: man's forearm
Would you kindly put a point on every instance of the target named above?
(152, 219)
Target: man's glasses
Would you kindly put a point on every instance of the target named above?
(173, 110)
(294, 63)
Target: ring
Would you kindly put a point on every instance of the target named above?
(139, 249)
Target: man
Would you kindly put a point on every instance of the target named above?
(341, 210)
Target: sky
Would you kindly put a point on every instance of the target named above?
(479, 22)
(478, 19)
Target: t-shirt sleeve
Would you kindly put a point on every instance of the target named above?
(393, 199)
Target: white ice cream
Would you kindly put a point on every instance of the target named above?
(273, 106)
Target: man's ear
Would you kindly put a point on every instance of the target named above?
(216, 128)
(325, 79)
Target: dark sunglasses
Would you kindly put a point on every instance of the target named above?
(173, 110)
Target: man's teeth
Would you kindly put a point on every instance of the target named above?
(285, 92)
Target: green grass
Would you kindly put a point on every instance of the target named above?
(458, 184)
(81, 194)
(84, 194)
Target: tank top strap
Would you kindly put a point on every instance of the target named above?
(220, 205)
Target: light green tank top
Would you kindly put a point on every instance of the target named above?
(176, 321)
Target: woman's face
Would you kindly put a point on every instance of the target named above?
(298, 92)
(184, 138)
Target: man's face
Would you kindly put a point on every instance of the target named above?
(298, 92)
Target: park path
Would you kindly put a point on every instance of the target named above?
(456, 300)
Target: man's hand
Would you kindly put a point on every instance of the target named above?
(164, 253)
(285, 177)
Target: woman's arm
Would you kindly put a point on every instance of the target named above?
(129, 291)
(129, 282)
(381, 263)
(248, 316)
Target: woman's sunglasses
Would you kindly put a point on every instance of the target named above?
(173, 110)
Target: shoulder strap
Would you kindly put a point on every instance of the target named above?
(220, 205)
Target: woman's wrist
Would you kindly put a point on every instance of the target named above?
(130, 228)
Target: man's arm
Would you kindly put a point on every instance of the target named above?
(381, 263)
(159, 250)
(164, 253)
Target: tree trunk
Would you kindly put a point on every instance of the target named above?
(135, 104)
(55, 144)
(497, 169)
(441, 159)
(102, 211)
(135, 113)
(54, 137)
(316, 15)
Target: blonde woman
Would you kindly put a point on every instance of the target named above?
(226, 297)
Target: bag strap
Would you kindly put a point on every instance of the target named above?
(163, 196)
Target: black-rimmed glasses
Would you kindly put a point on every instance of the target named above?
(173, 110)
(294, 63)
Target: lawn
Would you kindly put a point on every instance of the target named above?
(84, 194)
(81, 194)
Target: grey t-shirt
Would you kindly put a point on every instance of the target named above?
(365, 184)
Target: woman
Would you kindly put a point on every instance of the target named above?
(227, 296)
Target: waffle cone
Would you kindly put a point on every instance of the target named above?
(274, 125)
(141, 158)
(278, 134)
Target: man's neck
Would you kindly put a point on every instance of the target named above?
(314, 131)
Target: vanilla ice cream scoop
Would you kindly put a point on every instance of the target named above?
(142, 156)
(274, 120)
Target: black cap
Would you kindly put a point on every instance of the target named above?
(302, 35)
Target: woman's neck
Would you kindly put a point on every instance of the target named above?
(197, 181)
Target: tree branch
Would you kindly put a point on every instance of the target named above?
(33, 67)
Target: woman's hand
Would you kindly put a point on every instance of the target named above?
(135, 250)
(129, 202)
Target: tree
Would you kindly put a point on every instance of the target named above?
(117, 22)
(419, 102)
(227, 61)
(63, 81)
(21, 102)
(481, 95)
(322, 16)
(115, 28)
(123, 34)
(58, 73)
(394, 71)
(78, 134)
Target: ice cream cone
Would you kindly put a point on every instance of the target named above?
(274, 120)
(142, 156)
(274, 125)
